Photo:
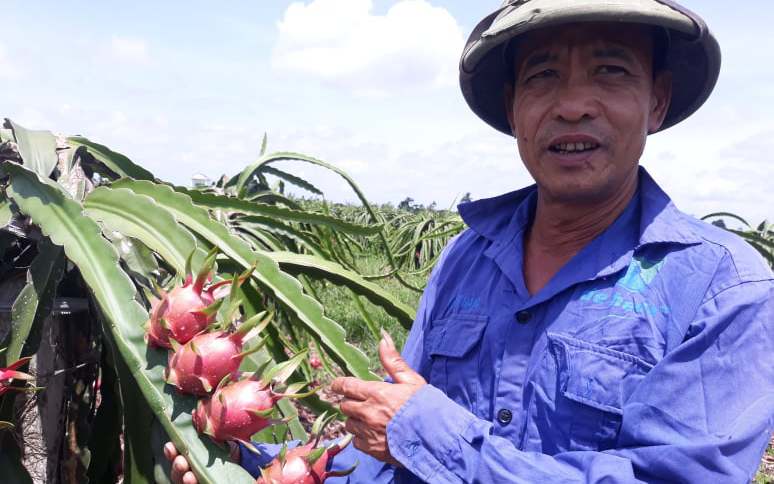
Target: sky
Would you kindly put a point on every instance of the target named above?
(367, 85)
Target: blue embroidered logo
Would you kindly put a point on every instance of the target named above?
(640, 274)
(464, 304)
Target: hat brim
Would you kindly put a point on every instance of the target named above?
(693, 54)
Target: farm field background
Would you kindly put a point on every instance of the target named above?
(93, 246)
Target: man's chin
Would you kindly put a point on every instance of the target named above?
(573, 192)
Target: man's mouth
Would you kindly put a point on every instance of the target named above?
(566, 148)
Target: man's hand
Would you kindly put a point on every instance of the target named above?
(181, 471)
(371, 405)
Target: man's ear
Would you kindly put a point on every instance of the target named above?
(660, 100)
(508, 100)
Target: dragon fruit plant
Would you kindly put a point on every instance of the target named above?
(86, 230)
(308, 463)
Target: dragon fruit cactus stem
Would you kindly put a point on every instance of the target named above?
(308, 463)
(198, 366)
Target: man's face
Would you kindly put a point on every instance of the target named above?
(582, 105)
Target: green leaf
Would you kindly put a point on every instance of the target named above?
(140, 217)
(282, 287)
(726, 214)
(322, 269)
(115, 162)
(140, 262)
(6, 212)
(276, 227)
(61, 219)
(247, 173)
(138, 421)
(162, 470)
(34, 303)
(220, 202)
(37, 148)
(292, 179)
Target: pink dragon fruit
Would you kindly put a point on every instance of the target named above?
(187, 310)
(306, 464)
(7, 375)
(198, 366)
(236, 411)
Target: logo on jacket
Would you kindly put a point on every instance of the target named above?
(640, 274)
(465, 304)
(628, 293)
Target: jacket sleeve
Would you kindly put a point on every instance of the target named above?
(703, 414)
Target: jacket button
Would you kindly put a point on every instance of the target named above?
(504, 416)
(523, 317)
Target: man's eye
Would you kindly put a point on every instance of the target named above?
(542, 75)
(612, 70)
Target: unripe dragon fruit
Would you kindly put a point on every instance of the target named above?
(236, 411)
(198, 366)
(308, 463)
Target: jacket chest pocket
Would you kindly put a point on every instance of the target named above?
(453, 345)
(584, 388)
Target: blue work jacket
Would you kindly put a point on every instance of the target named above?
(649, 357)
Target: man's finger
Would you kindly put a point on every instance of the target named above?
(190, 478)
(179, 468)
(394, 364)
(170, 451)
(351, 388)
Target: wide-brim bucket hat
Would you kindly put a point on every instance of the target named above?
(692, 52)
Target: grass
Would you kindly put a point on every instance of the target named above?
(765, 473)
(340, 307)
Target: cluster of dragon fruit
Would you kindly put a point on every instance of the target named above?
(200, 323)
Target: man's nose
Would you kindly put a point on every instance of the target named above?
(575, 101)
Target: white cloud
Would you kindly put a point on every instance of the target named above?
(341, 42)
(129, 49)
(708, 172)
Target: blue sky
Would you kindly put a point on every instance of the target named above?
(187, 87)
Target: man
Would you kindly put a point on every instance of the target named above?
(583, 329)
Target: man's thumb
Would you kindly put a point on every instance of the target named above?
(394, 364)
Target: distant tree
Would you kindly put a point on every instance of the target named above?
(432, 206)
(407, 204)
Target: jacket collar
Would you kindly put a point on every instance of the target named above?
(500, 218)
